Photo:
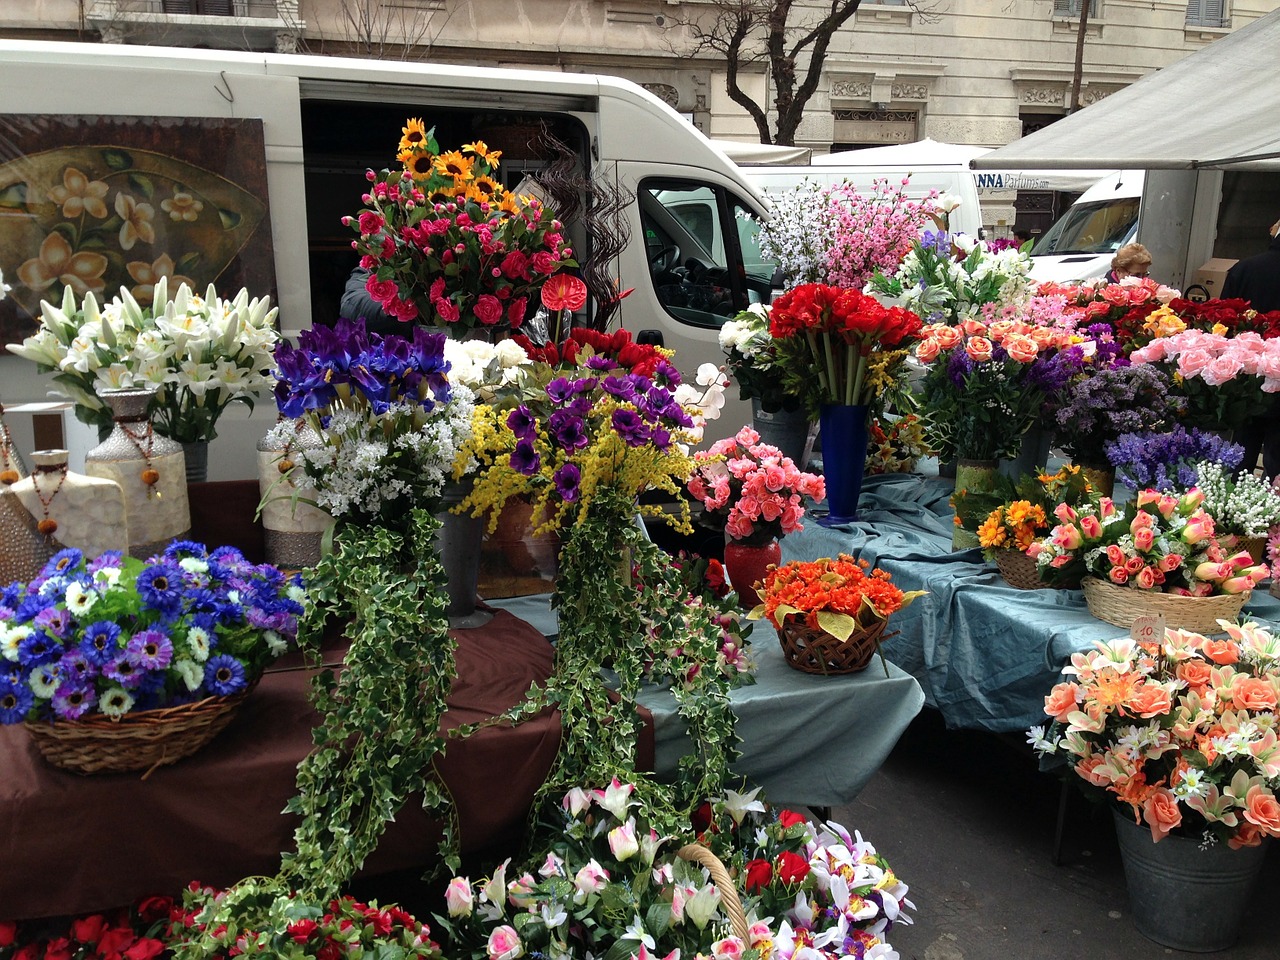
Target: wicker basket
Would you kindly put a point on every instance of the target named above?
(137, 741)
(729, 899)
(1021, 571)
(1122, 605)
(811, 650)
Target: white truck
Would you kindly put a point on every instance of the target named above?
(320, 123)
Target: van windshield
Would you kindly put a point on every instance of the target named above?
(1102, 227)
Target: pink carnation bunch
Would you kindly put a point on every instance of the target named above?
(751, 487)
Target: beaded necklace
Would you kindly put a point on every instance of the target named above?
(47, 525)
(150, 475)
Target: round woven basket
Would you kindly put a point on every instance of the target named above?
(811, 650)
(729, 899)
(1019, 570)
(137, 741)
(1122, 605)
(1257, 547)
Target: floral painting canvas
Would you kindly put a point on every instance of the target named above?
(99, 203)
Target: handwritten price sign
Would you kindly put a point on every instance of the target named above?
(1147, 630)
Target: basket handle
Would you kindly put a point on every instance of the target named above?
(729, 898)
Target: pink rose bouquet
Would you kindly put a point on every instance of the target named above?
(1178, 732)
(750, 487)
(1160, 542)
(1222, 378)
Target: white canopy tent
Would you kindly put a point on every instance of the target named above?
(753, 154)
(1218, 108)
(936, 153)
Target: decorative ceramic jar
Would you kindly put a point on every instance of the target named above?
(293, 529)
(12, 468)
(150, 469)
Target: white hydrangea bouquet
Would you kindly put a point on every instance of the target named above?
(391, 420)
(199, 353)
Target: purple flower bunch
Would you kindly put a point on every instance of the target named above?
(1166, 461)
(115, 634)
(1106, 402)
(344, 362)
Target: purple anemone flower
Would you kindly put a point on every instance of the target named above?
(525, 459)
(566, 481)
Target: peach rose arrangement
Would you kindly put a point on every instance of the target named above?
(1182, 732)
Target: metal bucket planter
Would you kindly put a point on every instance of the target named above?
(1184, 896)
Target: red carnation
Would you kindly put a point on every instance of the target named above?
(759, 873)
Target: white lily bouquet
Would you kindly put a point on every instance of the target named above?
(200, 354)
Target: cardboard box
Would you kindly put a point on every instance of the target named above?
(1211, 275)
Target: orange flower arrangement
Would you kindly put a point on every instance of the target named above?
(836, 596)
(1015, 525)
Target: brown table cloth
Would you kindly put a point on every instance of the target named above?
(72, 843)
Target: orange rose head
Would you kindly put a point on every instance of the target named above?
(564, 291)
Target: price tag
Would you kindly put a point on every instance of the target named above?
(1148, 630)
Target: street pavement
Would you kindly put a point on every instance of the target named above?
(967, 820)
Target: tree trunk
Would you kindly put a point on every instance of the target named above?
(1078, 74)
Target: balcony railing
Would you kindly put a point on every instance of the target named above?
(256, 9)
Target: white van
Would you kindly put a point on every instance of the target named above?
(921, 181)
(309, 128)
(1081, 242)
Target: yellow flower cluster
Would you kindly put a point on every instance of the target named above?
(1163, 323)
(466, 174)
(607, 462)
(1015, 524)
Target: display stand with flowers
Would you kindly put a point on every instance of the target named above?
(756, 495)
(777, 415)
(842, 351)
(830, 614)
(115, 665)
(1174, 733)
(1157, 556)
(198, 353)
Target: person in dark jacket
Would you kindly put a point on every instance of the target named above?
(1257, 279)
(356, 304)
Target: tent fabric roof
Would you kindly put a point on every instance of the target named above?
(761, 153)
(1216, 109)
(924, 152)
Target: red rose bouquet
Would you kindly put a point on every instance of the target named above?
(447, 245)
(838, 345)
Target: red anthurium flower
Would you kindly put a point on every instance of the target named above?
(564, 291)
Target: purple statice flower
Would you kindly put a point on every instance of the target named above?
(123, 671)
(38, 648)
(522, 423)
(160, 587)
(149, 649)
(566, 481)
(224, 675)
(1097, 408)
(525, 459)
(62, 563)
(73, 700)
(568, 430)
(630, 427)
(1165, 460)
(101, 643)
(16, 699)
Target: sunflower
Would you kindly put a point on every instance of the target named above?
(481, 150)
(487, 188)
(413, 135)
(419, 165)
(454, 164)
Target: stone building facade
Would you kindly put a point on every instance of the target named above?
(980, 72)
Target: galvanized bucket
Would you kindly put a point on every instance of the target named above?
(788, 430)
(1184, 896)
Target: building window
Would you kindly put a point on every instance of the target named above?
(1207, 13)
(200, 8)
(1071, 8)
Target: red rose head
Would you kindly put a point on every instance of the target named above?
(789, 818)
(759, 873)
(791, 867)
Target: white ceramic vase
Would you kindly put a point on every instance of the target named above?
(293, 530)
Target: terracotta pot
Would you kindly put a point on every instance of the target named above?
(746, 564)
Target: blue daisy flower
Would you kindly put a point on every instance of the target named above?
(160, 587)
(149, 649)
(62, 563)
(224, 675)
(124, 672)
(73, 700)
(76, 667)
(185, 548)
(110, 559)
(38, 648)
(101, 643)
(15, 702)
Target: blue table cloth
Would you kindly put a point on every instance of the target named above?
(805, 739)
(984, 652)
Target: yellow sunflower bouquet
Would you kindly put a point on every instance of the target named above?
(447, 245)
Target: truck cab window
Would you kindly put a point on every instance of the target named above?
(694, 242)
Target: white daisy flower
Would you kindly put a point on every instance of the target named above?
(116, 702)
